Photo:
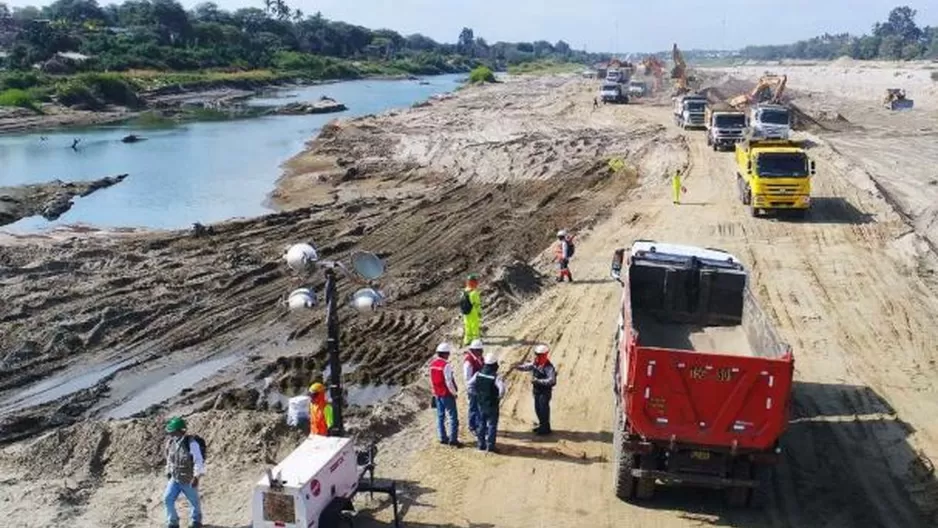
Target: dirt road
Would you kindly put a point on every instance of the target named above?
(143, 324)
(858, 450)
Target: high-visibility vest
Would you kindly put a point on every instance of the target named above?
(320, 419)
(475, 362)
(438, 378)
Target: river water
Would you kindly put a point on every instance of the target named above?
(199, 172)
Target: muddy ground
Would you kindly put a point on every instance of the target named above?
(141, 324)
(49, 200)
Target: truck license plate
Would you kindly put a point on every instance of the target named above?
(700, 455)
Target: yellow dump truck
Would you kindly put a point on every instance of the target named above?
(774, 174)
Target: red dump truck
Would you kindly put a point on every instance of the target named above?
(702, 382)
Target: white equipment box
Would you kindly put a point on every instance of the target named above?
(321, 469)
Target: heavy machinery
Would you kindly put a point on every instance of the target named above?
(895, 99)
(637, 88)
(613, 92)
(725, 125)
(689, 110)
(769, 89)
(654, 68)
(702, 382)
(679, 72)
(619, 71)
(774, 175)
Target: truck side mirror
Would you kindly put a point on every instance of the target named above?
(749, 166)
(616, 271)
(812, 167)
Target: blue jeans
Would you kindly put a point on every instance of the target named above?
(173, 489)
(488, 426)
(474, 419)
(542, 410)
(447, 405)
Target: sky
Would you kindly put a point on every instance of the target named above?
(642, 26)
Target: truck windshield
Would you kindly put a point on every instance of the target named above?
(731, 121)
(610, 87)
(774, 117)
(695, 106)
(782, 165)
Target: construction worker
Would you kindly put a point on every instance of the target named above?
(471, 365)
(320, 411)
(563, 252)
(471, 307)
(444, 395)
(677, 187)
(489, 389)
(543, 379)
(184, 465)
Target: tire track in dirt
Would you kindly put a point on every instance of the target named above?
(849, 459)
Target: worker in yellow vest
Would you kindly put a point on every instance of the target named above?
(320, 411)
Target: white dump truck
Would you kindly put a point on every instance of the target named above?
(769, 121)
(725, 126)
(689, 110)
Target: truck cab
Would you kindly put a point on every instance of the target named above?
(725, 127)
(689, 111)
(612, 92)
(637, 88)
(774, 174)
(769, 121)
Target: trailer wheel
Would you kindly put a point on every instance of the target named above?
(336, 514)
(739, 496)
(646, 485)
(624, 460)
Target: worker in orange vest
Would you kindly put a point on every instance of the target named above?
(320, 411)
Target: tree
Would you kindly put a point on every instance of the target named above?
(75, 11)
(465, 42)
(562, 48)
(5, 13)
(901, 24)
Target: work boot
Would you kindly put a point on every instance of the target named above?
(456, 443)
(196, 525)
(492, 449)
(542, 432)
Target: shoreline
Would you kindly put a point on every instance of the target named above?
(172, 100)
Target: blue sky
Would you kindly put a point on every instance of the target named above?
(642, 26)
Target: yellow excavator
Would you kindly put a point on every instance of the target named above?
(679, 72)
(769, 90)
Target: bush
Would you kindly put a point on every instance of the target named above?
(481, 74)
(19, 80)
(17, 97)
(76, 94)
(111, 88)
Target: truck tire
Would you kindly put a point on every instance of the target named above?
(646, 486)
(739, 496)
(623, 462)
(752, 209)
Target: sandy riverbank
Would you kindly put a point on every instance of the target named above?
(475, 182)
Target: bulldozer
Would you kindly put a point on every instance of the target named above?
(895, 99)
(769, 90)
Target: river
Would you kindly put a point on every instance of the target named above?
(198, 172)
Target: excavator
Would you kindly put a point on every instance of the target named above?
(896, 99)
(654, 68)
(769, 90)
(679, 72)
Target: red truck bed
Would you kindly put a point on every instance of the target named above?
(702, 381)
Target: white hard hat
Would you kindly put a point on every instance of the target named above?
(562, 233)
(490, 359)
(476, 344)
(302, 298)
(541, 349)
(444, 348)
(299, 256)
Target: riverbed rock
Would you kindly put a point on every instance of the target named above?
(50, 200)
(323, 106)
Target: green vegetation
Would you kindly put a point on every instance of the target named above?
(481, 74)
(542, 67)
(898, 38)
(70, 36)
(17, 97)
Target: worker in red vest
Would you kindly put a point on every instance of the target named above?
(471, 365)
(444, 394)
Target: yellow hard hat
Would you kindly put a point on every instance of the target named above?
(317, 387)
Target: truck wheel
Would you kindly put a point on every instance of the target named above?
(646, 485)
(739, 496)
(624, 461)
(752, 209)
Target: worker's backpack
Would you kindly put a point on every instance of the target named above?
(199, 440)
(571, 248)
(465, 304)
